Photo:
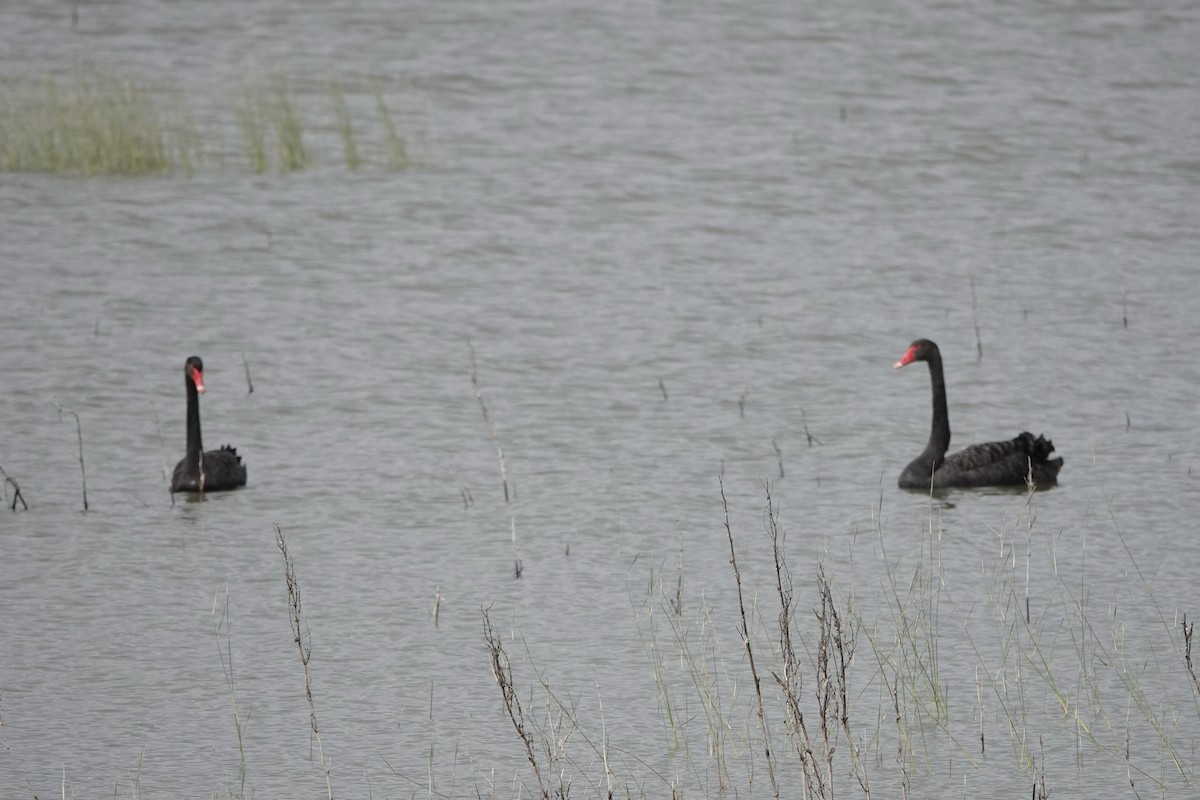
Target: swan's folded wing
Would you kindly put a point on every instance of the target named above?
(1005, 463)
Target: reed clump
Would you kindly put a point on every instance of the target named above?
(860, 692)
(94, 121)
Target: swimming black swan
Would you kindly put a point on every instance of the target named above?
(992, 464)
(200, 471)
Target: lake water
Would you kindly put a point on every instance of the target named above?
(676, 236)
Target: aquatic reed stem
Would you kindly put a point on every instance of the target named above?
(804, 421)
(517, 567)
(221, 625)
(300, 634)
(1187, 651)
(17, 489)
(246, 365)
(975, 318)
(502, 672)
(79, 434)
(16, 761)
(745, 632)
(397, 153)
(487, 417)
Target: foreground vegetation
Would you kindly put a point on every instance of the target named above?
(851, 686)
(849, 693)
(103, 121)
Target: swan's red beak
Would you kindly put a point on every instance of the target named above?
(909, 356)
(198, 379)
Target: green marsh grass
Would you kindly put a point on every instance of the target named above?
(105, 121)
(393, 143)
(345, 122)
(93, 122)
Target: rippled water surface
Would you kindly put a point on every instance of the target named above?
(678, 238)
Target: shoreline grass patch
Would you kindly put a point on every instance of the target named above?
(92, 121)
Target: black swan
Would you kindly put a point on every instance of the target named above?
(993, 464)
(199, 471)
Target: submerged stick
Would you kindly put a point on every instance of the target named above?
(467, 498)
(17, 489)
(299, 631)
(495, 434)
(78, 433)
(975, 316)
(249, 383)
(517, 568)
(807, 435)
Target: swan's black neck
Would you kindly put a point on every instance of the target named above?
(939, 435)
(920, 472)
(194, 446)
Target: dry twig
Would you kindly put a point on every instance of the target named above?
(495, 434)
(17, 489)
(79, 433)
(745, 634)
(300, 633)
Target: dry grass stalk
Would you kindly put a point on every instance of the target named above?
(1040, 792)
(16, 489)
(834, 654)
(745, 633)
(249, 383)
(16, 762)
(465, 492)
(300, 633)
(487, 417)
(807, 435)
(502, 672)
(1187, 652)
(975, 318)
(221, 626)
(79, 434)
(518, 568)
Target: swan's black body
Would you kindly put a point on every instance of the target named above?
(199, 471)
(1009, 463)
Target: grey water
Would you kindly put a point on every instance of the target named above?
(679, 238)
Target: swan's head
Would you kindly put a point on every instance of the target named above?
(920, 350)
(193, 369)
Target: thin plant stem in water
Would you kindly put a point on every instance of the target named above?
(16, 489)
(487, 417)
(79, 435)
(745, 633)
(300, 634)
(221, 626)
